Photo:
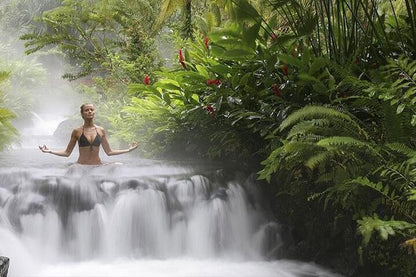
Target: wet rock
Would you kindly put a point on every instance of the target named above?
(64, 129)
(134, 184)
(4, 266)
(221, 193)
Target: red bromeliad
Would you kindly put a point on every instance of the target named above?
(210, 110)
(214, 82)
(206, 42)
(276, 90)
(182, 58)
(285, 70)
(146, 79)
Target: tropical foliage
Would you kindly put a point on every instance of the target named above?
(323, 93)
(7, 131)
(100, 37)
(316, 96)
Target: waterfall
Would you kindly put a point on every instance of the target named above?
(81, 215)
(152, 215)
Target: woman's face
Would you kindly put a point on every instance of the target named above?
(88, 111)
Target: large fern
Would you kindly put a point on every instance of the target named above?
(321, 112)
(321, 138)
(385, 228)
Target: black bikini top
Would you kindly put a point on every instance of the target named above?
(83, 141)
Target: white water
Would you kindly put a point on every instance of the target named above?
(143, 218)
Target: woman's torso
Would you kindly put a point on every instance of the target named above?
(89, 141)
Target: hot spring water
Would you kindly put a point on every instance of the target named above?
(142, 218)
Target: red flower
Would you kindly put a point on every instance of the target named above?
(146, 79)
(285, 70)
(206, 42)
(276, 90)
(274, 36)
(182, 58)
(210, 110)
(214, 82)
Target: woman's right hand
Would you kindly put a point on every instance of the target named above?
(44, 149)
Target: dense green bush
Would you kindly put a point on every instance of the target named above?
(326, 103)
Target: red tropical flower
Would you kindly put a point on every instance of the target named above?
(210, 110)
(285, 70)
(206, 42)
(214, 82)
(274, 36)
(276, 90)
(182, 58)
(146, 79)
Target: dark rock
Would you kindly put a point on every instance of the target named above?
(221, 193)
(4, 266)
(64, 129)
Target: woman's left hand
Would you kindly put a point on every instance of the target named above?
(133, 146)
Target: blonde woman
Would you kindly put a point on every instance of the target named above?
(89, 137)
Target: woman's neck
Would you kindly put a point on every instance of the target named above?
(88, 124)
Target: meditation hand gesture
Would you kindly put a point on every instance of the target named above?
(44, 149)
(133, 146)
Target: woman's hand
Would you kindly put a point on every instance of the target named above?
(133, 146)
(44, 149)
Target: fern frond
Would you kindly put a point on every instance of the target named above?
(318, 159)
(401, 149)
(321, 112)
(368, 225)
(308, 126)
(271, 165)
(392, 198)
(347, 143)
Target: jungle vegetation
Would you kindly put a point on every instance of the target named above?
(316, 96)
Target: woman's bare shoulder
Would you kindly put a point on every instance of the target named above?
(77, 130)
(101, 128)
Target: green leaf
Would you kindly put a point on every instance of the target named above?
(237, 54)
(167, 86)
(166, 97)
(244, 79)
(202, 70)
(221, 69)
(250, 35)
(367, 225)
(400, 108)
(413, 122)
(244, 10)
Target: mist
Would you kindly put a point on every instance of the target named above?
(35, 90)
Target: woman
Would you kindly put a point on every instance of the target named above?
(89, 137)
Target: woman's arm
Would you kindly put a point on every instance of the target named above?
(67, 151)
(111, 152)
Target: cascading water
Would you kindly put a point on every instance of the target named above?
(143, 218)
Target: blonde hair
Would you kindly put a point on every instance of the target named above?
(82, 107)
